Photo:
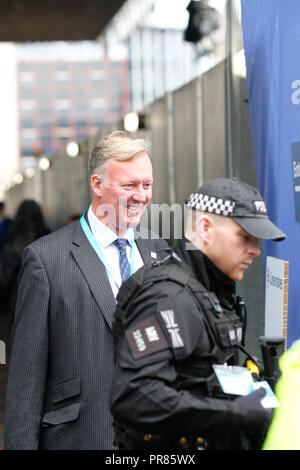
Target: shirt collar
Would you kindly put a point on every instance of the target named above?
(103, 234)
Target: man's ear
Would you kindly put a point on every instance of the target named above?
(205, 228)
(96, 185)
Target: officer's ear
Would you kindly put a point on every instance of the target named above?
(205, 228)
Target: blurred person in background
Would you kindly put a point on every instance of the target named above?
(4, 224)
(27, 226)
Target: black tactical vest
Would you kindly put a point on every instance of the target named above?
(223, 326)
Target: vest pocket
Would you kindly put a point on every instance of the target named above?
(229, 333)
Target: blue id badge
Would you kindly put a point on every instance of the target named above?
(236, 380)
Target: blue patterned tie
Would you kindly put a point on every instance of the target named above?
(124, 264)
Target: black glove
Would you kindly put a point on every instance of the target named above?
(253, 416)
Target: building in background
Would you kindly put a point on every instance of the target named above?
(160, 57)
(9, 128)
(66, 92)
(53, 93)
(61, 91)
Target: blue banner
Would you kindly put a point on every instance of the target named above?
(272, 45)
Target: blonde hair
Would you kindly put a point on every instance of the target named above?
(118, 145)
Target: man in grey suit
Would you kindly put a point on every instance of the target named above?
(62, 352)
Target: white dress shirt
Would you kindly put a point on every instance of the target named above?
(105, 237)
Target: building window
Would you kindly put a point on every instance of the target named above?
(27, 124)
(64, 132)
(81, 122)
(28, 152)
(63, 122)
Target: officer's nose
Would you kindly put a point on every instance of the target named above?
(254, 247)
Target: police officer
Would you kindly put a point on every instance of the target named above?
(177, 319)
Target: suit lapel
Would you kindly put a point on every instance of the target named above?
(143, 246)
(147, 247)
(94, 272)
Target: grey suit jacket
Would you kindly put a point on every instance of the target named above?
(62, 352)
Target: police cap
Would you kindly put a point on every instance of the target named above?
(233, 198)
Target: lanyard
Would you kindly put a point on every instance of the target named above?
(100, 253)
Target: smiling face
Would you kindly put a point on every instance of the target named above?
(123, 194)
(229, 246)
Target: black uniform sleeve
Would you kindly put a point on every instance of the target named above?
(168, 328)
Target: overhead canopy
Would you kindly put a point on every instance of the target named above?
(55, 20)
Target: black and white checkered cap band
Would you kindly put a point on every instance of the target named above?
(206, 203)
